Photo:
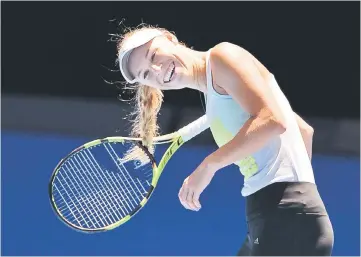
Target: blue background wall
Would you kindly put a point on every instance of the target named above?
(163, 227)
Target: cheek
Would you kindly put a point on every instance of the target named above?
(163, 56)
(166, 52)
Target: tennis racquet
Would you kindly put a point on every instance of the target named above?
(94, 188)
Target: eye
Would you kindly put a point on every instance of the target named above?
(146, 73)
(153, 55)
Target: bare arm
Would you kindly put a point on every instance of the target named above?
(235, 72)
(242, 81)
(307, 134)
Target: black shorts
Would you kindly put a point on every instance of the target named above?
(287, 218)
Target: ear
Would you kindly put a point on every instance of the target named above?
(171, 37)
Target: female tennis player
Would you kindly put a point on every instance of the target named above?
(255, 128)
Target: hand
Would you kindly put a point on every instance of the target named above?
(194, 185)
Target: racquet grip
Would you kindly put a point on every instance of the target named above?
(193, 129)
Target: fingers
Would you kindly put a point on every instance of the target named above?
(183, 193)
(189, 198)
(195, 200)
(189, 201)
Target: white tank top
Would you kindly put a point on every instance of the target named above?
(283, 158)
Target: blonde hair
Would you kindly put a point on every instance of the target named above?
(148, 103)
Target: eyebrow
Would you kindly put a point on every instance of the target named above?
(146, 57)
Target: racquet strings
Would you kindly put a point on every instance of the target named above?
(94, 188)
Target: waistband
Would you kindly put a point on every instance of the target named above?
(293, 197)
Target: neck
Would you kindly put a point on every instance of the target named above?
(198, 69)
(200, 73)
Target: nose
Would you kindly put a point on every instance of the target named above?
(156, 67)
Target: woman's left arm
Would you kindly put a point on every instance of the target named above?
(236, 73)
(234, 70)
(307, 134)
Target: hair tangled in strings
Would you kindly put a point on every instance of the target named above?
(148, 103)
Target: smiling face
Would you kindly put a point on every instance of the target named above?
(160, 63)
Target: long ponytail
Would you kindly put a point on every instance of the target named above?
(145, 126)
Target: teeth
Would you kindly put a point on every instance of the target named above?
(169, 73)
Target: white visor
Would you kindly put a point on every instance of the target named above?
(137, 39)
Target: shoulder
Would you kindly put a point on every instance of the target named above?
(230, 63)
(225, 52)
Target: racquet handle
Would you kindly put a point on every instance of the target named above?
(187, 132)
(193, 129)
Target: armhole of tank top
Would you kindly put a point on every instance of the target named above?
(210, 87)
